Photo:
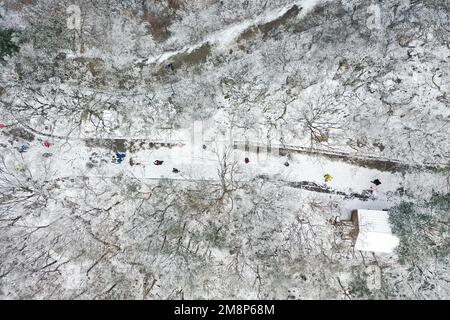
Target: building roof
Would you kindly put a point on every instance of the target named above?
(375, 232)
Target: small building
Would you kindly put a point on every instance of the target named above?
(373, 231)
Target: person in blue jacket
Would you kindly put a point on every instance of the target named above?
(120, 156)
(24, 148)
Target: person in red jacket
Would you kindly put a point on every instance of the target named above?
(247, 160)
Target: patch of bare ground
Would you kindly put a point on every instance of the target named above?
(17, 5)
(265, 29)
(185, 59)
(323, 188)
(19, 134)
(159, 21)
(370, 162)
(192, 58)
(123, 145)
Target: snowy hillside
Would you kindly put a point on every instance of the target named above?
(212, 149)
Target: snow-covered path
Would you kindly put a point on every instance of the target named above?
(74, 158)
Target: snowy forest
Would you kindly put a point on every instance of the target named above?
(207, 149)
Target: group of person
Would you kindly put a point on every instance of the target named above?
(26, 146)
(175, 170)
(160, 162)
(327, 177)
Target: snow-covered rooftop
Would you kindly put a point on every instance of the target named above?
(375, 232)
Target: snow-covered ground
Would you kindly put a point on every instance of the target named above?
(71, 158)
(339, 94)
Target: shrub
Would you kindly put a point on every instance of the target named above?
(423, 229)
(7, 44)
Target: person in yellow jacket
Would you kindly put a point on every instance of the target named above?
(20, 167)
(328, 177)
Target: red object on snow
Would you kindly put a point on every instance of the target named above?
(158, 162)
(46, 144)
(3, 126)
(246, 160)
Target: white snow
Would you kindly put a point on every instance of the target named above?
(375, 233)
